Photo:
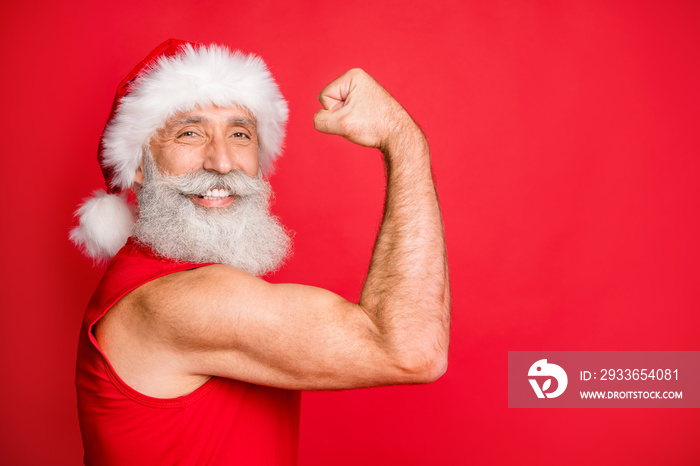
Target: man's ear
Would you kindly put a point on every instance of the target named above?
(140, 175)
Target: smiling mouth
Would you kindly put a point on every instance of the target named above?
(217, 197)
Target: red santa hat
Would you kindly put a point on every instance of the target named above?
(175, 77)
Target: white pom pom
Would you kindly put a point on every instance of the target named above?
(106, 222)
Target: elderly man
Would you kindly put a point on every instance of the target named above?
(186, 356)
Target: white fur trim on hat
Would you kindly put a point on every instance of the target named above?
(199, 76)
(106, 222)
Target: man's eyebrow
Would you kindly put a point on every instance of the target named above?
(187, 120)
(246, 122)
(196, 119)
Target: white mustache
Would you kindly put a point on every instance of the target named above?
(199, 182)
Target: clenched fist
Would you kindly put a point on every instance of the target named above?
(358, 108)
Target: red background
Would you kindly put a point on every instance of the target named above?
(565, 145)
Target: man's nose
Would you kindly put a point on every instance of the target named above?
(220, 156)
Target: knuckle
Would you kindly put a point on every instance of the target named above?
(344, 123)
(357, 73)
(353, 127)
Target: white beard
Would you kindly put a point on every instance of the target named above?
(243, 235)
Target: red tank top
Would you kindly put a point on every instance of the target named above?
(222, 422)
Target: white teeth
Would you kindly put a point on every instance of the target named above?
(217, 193)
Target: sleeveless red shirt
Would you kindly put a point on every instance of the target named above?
(222, 422)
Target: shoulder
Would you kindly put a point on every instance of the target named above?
(136, 337)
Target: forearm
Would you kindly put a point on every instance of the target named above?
(407, 292)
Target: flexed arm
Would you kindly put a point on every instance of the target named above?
(407, 291)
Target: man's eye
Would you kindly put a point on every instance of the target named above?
(240, 135)
(187, 134)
